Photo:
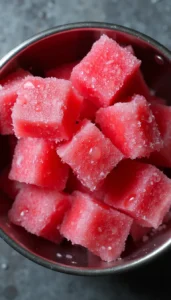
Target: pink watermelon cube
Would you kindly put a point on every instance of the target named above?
(8, 96)
(131, 127)
(88, 109)
(162, 114)
(90, 155)
(40, 211)
(46, 108)
(138, 232)
(9, 187)
(62, 72)
(139, 190)
(96, 226)
(139, 86)
(105, 72)
(36, 162)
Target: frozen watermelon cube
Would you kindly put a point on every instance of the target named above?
(8, 96)
(139, 86)
(131, 127)
(105, 72)
(96, 226)
(63, 71)
(9, 187)
(139, 233)
(90, 155)
(40, 211)
(162, 114)
(139, 190)
(88, 109)
(36, 162)
(46, 108)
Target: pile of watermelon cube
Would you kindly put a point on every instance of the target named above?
(87, 142)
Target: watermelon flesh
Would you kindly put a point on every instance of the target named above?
(139, 86)
(40, 211)
(96, 226)
(162, 115)
(141, 191)
(36, 162)
(88, 109)
(90, 155)
(46, 108)
(8, 96)
(101, 76)
(131, 127)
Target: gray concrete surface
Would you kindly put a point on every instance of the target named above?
(19, 278)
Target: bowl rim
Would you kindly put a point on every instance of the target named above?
(21, 249)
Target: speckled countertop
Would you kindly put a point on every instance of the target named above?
(21, 279)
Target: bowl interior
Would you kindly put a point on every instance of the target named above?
(50, 49)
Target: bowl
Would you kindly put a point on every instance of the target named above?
(65, 44)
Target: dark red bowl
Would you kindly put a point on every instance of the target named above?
(65, 44)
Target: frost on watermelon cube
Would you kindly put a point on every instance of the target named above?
(139, 233)
(9, 187)
(46, 108)
(96, 226)
(139, 190)
(131, 127)
(8, 96)
(36, 162)
(162, 115)
(90, 155)
(40, 211)
(104, 74)
(63, 71)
